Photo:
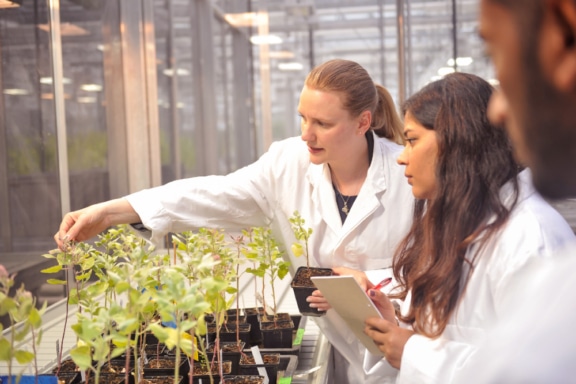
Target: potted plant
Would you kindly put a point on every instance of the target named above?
(252, 315)
(138, 291)
(25, 321)
(232, 350)
(301, 283)
(103, 326)
(269, 258)
(115, 310)
(111, 310)
(181, 303)
(76, 261)
(209, 263)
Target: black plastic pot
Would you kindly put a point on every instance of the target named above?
(168, 379)
(226, 368)
(69, 377)
(270, 366)
(227, 354)
(277, 334)
(303, 287)
(252, 318)
(228, 332)
(170, 361)
(242, 379)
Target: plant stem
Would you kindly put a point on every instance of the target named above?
(307, 258)
(67, 288)
(12, 336)
(127, 365)
(34, 351)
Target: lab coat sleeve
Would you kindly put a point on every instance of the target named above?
(375, 363)
(428, 360)
(425, 360)
(235, 201)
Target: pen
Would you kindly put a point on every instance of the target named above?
(383, 283)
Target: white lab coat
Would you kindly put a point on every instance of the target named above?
(268, 192)
(536, 341)
(533, 230)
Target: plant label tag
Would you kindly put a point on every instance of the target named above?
(258, 360)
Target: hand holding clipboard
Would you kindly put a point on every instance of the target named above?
(350, 301)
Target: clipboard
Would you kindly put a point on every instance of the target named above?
(349, 300)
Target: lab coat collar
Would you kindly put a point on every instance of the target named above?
(525, 190)
(368, 199)
(525, 186)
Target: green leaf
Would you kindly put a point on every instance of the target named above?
(200, 325)
(54, 269)
(5, 350)
(257, 272)
(159, 331)
(88, 263)
(186, 345)
(172, 339)
(23, 357)
(34, 318)
(82, 357)
(73, 296)
(8, 305)
(56, 282)
(101, 350)
(122, 286)
(297, 249)
(84, 277)
(129, 325)
(283, 270)
(117, 352)
(23, 333)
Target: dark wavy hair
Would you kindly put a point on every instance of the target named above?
(475, 160)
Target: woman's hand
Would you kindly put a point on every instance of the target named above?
(386, 333)
(88, 222)
(318, 301)
(383, 304)
(360, 276)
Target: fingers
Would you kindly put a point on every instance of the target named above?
(62, 237)
(61, 240)
(378, 297)
(341, 270)
(318, 301)
(360, 276)
(377, 329)
(376, 324)
(378, 339)
(68, 230)
(383, 304)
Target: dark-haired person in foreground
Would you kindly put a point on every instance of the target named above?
(533, 46)
(478, 222)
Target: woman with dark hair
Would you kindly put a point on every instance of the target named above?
(477, 221)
